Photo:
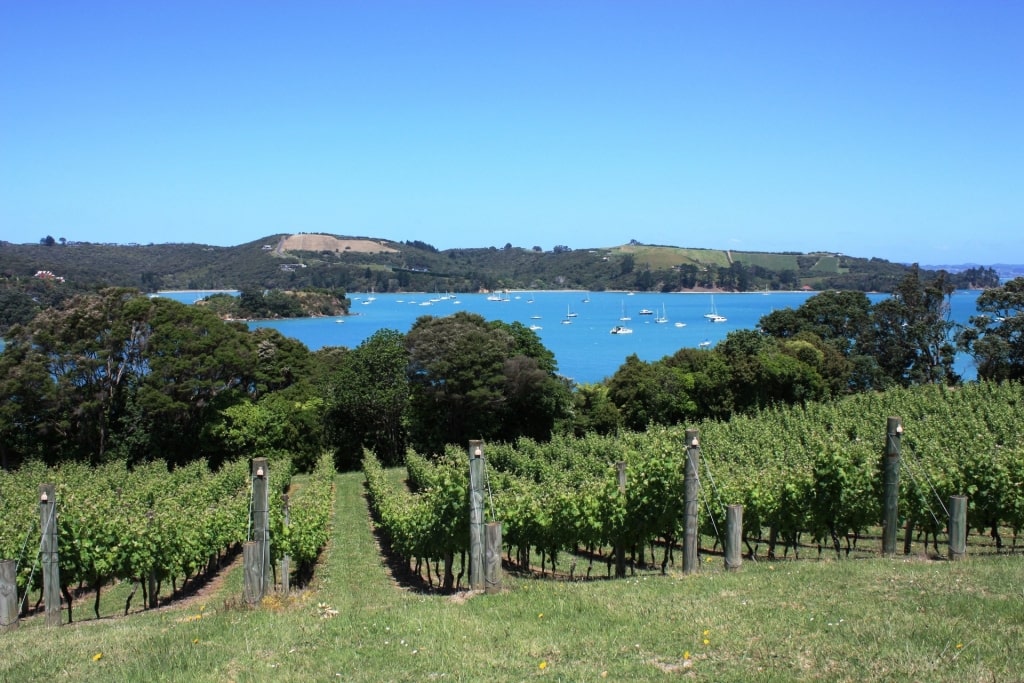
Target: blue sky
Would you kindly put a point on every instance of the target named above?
(888, 129)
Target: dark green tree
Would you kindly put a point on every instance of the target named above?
(838, 323)
(470, 379)
(196, 365)
(995, 337)
(910, 337)
(594, 411)
(367, 399)
(89, 349)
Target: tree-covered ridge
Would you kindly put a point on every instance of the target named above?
(418, 266)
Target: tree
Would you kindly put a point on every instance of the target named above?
(763, 374)
(627, 264)
(367, 401)
(910, 337)
(470, 379)
(839, 324)
(594, 411)
(646, 393)
(280, 361)
(196, 365)
(89, 350)
(996, 336)
(28, 403)
(838, 318)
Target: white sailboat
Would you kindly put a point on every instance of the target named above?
(624, 316)
(713, 315)
(662, 318)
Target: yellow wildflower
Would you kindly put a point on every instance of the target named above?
(543, 665)
(97, 657)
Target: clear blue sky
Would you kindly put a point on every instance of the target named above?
(891, 129)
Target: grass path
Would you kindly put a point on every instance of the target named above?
(865, 620)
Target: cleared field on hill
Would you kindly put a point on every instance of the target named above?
(309, 242)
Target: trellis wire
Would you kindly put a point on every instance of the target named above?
(931, 487)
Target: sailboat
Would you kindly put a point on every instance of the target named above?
(662, 318)
(624, 316)
(569, 313)
(713, 315)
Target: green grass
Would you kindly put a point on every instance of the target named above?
(904, 619)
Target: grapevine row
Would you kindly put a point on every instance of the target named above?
(310, 503)
(148, 524)
(810, 473)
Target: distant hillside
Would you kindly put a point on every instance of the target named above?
(358, 263)
(1006, 271)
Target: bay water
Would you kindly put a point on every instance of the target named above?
(584, 347)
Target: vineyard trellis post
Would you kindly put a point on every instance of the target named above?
(890, 507)
(492, 564)
(50, 561)
(8, 595)
(286, 560)
(476, 515)
(957, 527)
(620, 545)
(691, 486)
(733, 537)
(256, 552)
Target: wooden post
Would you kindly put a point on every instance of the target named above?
(261, 520)
(620, 545)
(733, 537)
(48, 553)
(492, 564)
(8, 595)
(691, 486)
(476, 515)
(252, 571)
(957, 527)
(890, 509)
(286, 560)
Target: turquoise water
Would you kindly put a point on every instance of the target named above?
(585, 350)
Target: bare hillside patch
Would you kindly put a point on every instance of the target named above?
(330, 243)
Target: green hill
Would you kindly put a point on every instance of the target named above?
(289, 262)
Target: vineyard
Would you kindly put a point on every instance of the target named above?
(155, 528)
(806, 477)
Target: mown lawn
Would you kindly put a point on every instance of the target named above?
(860, 620)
